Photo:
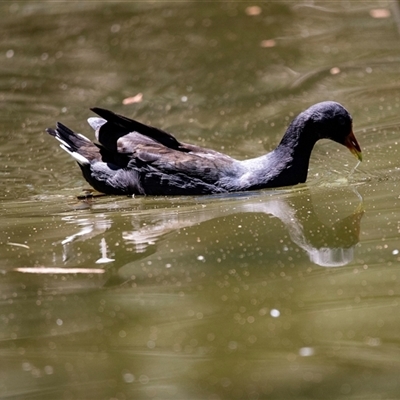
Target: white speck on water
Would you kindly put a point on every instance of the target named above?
(10, 53)
(184, 99)
(275, 313)
(128, 377)
(232, 345)
(115, 28)
(48, 369)
(395, 252)
(144, 379)
(306, 351)
(26, 366)
(59, 322)
(201, 258)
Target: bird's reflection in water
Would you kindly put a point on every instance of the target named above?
(88, 228)
(328, 244)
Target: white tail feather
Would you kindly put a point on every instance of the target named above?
(63, 142)
(96, 123)
(78, 157)
(84, 137)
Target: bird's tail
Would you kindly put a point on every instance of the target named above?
(82, 149)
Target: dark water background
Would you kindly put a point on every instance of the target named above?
(278, 294)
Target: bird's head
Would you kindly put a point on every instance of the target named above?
(330, 120)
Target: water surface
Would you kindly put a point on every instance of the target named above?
(277, 294)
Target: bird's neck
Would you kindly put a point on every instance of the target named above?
(297, 143)
(291, 157)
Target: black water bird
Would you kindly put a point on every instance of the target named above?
(134, 158)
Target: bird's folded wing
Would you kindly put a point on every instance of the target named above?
(189, 160)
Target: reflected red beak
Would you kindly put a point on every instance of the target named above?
(352, 144)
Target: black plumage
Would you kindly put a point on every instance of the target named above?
(134, 158)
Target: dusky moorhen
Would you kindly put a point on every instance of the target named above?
(134, 158)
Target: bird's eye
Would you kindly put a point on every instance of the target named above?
(341, 121)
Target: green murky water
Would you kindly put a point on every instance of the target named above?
(278, 294)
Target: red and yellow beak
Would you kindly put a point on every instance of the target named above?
(352, 144)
